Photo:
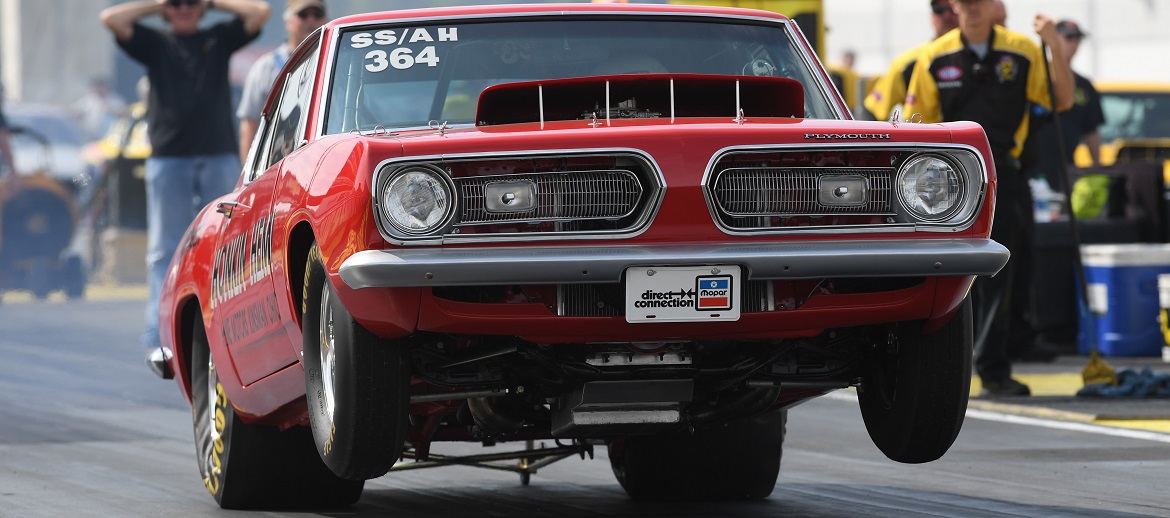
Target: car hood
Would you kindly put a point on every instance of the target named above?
(664, 136)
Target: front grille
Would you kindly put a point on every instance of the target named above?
(590, 300)
(561, 195)
(575, 196)
(788, 192)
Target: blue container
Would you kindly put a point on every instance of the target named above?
(1123, 299)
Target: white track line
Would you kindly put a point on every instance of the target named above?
(1069, 425)
(847, 395)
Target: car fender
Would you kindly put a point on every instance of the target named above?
(188, 280)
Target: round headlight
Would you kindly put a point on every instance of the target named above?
(417, 201)
(930, 188)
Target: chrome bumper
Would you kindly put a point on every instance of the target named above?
(411, 267)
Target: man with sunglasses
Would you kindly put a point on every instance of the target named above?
(890, 89)
(301, 18)
(189, 120)
(985, 73)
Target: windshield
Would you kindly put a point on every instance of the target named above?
(1135, 115)
(402, 77)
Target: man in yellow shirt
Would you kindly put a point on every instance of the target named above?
(890, 90)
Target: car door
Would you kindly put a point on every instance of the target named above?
(243, 287)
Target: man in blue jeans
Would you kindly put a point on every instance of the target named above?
(193, 146)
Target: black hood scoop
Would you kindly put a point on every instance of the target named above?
(640, 96)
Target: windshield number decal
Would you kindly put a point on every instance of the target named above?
(401, 57)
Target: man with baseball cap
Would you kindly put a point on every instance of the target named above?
(301, 18)
(1079, 123)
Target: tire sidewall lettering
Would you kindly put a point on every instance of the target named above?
(214, 479)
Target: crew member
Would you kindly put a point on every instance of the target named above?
(889, 91)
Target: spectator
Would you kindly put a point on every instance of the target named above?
(301, 18)
(1041, 161)
(193, 158)
(889, 92)
(1079, 124)
(848, 59)
(988, 74)
(98, 109)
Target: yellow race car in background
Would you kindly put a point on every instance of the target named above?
(1137, 124)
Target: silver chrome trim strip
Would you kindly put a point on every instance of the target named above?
(894, 227)
(598, 264)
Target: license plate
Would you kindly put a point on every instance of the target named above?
(682, 293)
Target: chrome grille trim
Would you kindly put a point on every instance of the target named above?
(561, 196)
(976, 169)
(792, 191)
(642, 165)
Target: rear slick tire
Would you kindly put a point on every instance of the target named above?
(247, 466)
(738, 460)
(913, 400)
(357, 384)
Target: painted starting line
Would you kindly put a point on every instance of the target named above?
(1157, 430)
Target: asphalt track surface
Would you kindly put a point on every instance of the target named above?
(86, 430)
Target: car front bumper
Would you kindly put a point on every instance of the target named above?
(430, 267)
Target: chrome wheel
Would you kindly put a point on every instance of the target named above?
(254, 466)
(328, 352)
(213, 397)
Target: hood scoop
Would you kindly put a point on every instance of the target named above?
(604, 98)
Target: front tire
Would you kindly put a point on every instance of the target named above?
(357, 384)
(913, 400)
(738, 460)
(247, 466)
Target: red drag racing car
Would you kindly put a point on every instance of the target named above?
(649, 227)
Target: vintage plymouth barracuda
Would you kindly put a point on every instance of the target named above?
(650, 227)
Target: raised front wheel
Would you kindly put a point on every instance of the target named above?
(914, 397)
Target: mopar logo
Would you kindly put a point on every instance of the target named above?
(847, 136)
(714, 292)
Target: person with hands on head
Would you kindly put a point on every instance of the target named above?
(301, 18)
(985, 73)
(189, 121)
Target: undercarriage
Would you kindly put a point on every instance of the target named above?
(499, 389)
